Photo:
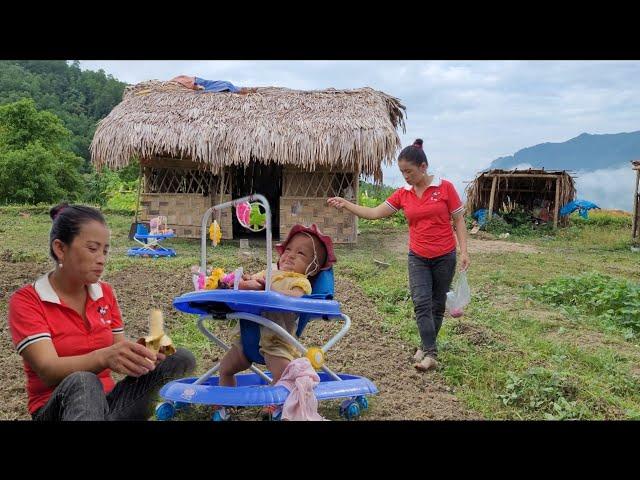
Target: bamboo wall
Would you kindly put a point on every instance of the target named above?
(339, 225)
(184, 212)
(304, 199)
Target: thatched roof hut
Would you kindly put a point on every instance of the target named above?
(635, 229)
(309, 145)
(542, 191)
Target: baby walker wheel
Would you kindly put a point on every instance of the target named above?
(217, 417)
(350, 409)
(353, 411)
(363, 402)
(165, 411)
(221, 414)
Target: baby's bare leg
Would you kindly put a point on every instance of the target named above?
(233, 362)
(276, 365)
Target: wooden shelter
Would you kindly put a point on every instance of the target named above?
(297, 148)
(532, 189)
(635, 228)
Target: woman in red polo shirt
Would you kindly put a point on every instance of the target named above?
(68, 328)
(429, 203)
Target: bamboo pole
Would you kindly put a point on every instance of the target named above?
(518, 175)
(492, 197)
(636, 207)
(556, 207)
(218, 213)
(138, 199)
(356, 184)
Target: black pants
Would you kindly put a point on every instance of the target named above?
(80, 396)
(429, 280)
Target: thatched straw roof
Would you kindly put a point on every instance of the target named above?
(338, 128)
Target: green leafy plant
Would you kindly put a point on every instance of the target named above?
(542, 391)
(373, 195)
(497, 225)
(615, 301)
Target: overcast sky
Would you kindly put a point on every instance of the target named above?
(468, 112)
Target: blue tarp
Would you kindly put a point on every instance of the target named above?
(216, 85)
(582, 205)
(481, 216)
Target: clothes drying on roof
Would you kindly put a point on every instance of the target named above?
(210, 86)
(215, 85)
(186, 81)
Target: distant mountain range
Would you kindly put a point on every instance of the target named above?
(584, 152)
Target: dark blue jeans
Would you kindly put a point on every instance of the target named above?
(429, 280)
(80, 396)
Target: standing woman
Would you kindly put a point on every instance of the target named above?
(429, 203)
(68, 328)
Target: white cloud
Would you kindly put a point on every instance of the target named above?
(611, 188)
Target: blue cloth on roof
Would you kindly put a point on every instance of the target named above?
(583, 206)
(216, 85)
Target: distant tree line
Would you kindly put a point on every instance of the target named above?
(49, 111)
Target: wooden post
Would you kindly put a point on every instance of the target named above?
(636, 208)
(356, 190)
(221, 190)
(556, 208)
(138, 199)
(220, 194)
(492, 197)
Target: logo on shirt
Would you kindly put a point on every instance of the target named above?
(435, 196)
(103, 311)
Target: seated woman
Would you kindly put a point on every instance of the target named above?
(68, 328)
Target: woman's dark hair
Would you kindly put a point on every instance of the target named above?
(414, 153)
(67, 222)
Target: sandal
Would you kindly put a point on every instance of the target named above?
(426, 364)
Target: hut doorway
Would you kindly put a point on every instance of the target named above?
(260, 178)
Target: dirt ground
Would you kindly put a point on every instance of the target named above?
(474, 245)
(366, 349)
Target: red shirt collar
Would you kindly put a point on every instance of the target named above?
(46, 292)
(437, 181)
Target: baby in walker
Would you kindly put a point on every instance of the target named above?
(303, 254)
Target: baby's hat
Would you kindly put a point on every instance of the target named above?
(313, 230)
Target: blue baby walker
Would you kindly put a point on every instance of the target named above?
(150, 244)
(254, 389)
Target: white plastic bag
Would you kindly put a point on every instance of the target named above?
(459, 297)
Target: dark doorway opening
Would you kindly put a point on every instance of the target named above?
(260, 178)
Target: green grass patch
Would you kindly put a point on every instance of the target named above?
(611, 300)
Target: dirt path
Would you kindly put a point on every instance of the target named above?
(400, 244)
(366, 350)
(370, 351)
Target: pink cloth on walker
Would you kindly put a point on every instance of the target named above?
(300, 378)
